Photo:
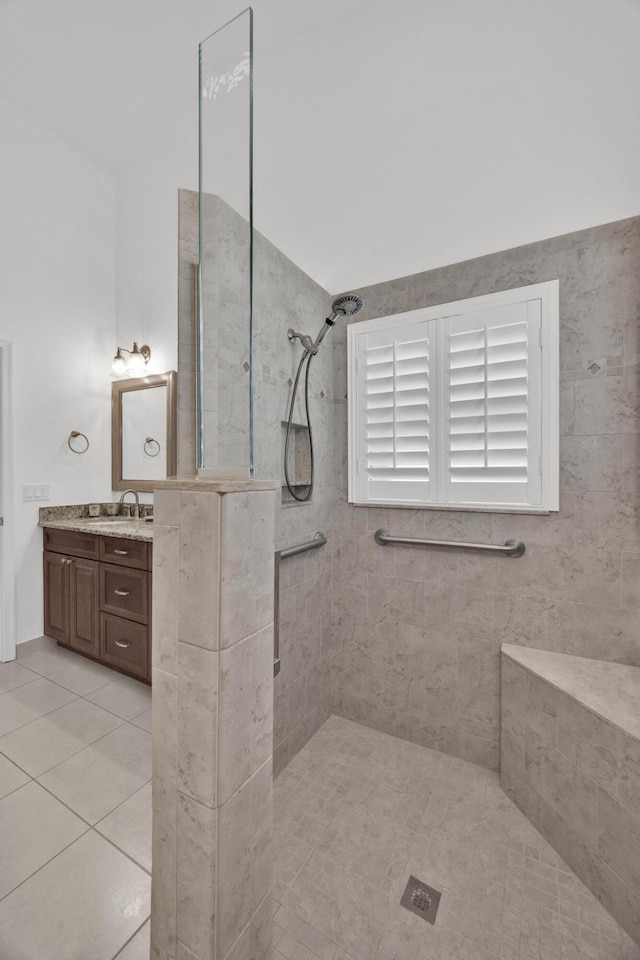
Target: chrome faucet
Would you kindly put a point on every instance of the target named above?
(136, 508)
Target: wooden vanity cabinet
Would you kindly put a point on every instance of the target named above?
(97, 598)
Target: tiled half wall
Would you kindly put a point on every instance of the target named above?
(284, 296)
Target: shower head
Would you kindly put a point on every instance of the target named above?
(347, 306)
(341, 307)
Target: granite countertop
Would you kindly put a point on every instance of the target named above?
(126, 529)
(609, 690)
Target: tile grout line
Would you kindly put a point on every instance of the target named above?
(132, 937)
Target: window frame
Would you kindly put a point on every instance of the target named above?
(547, 294)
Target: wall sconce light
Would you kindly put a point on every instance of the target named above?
(133, 365)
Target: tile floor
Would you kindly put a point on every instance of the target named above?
(357, 811)
(75, 809)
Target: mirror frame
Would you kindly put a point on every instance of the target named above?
(120, 387)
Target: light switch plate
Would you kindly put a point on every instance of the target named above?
(36, 491)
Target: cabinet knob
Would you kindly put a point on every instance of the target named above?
(122, 593)
(121, 643)
(122, 553)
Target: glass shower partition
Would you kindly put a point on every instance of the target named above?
(224, 387)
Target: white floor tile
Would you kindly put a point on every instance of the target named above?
(83, 676)
(144, 720)
(140, 947)
(34, 827)
(46, 742)
(127, 698)
(35, 645)
(30, 701)
(100, 777)
(49, 660)
(14, 675)
(11, 777)
(129, 826)
(83, 905)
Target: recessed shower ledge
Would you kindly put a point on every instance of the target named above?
(210, 484)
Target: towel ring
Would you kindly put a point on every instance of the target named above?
(148, 442)
(72, 436)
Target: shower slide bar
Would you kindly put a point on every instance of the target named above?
(318, 541)
(512, 548)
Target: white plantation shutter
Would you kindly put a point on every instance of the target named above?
(457, 405)
(393, 399)
(490, 387)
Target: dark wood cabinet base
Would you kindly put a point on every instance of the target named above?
(98, 659)
(97, 599)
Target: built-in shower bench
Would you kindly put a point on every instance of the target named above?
(570, 760)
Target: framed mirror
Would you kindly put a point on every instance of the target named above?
(143, 431)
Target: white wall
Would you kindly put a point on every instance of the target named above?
(402, 137)
(147, 240)
(57, 307)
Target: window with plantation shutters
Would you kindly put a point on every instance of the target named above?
(457, 405)
(394, 440)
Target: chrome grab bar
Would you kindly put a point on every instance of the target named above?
(512, 548)
(318, 541)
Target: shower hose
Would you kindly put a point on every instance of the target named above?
(301, 498)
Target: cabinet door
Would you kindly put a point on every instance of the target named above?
(56, 596)
(84, 597)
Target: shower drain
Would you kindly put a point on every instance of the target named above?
(421, 899)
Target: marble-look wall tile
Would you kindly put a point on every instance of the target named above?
(283, 295)
(198, 593)
(254, 943)
(565, 788)
(212, 742)
(486, 753)
(163, 889)
(603, 752)
(166, 542)
(535, 622)
(245, 711)
(197, 723)
(164, 739)
(393, 599)
(196, 867)
(576, 776)
(246, 599)
(619, 838)
(607, 633)
(575, 589)
(244, 855)
(183, 953)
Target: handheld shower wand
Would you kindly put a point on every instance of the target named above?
(341, 307)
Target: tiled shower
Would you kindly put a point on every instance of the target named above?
(408, 640)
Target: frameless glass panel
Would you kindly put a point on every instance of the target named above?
(225, 373)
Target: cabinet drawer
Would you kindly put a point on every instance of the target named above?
(124, 592)
(125, 645)
(72, 543)
(126, 553)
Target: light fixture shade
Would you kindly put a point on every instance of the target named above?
(118, 365)
(136, 362)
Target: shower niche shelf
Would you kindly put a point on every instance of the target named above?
(299, 462)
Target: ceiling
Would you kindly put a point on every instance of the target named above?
(390, 138)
